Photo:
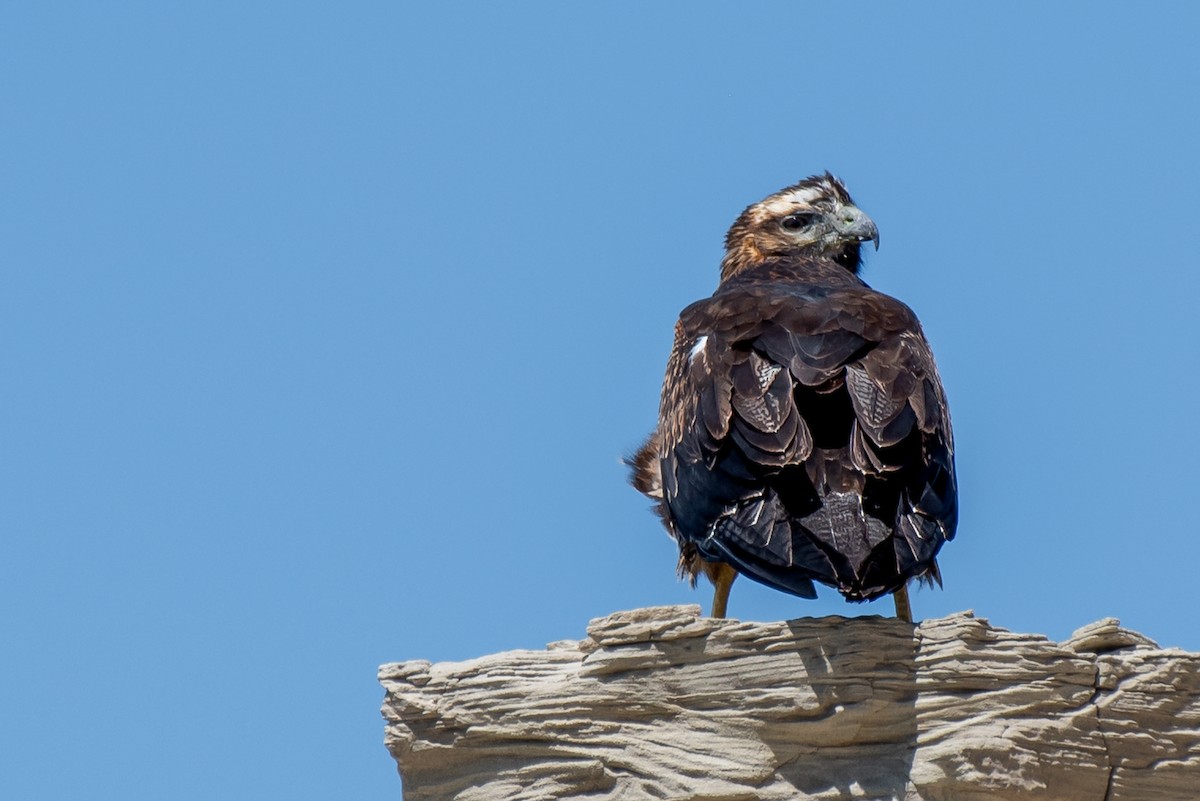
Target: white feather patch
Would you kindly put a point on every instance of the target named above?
(698, 348)
(785, 203)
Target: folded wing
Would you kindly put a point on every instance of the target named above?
(804, 436)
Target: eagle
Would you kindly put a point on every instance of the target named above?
(803, 432)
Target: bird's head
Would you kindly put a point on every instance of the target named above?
(814, 217)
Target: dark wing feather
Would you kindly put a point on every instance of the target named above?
(804, 436)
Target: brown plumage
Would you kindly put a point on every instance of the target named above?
(803, 432)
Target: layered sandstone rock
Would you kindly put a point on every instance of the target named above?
(661, 703)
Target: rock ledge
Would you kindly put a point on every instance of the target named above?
(661, 703)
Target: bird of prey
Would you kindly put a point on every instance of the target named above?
(803, 431)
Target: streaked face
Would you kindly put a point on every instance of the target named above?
(812, 216)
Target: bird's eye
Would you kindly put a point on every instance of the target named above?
(794, 222)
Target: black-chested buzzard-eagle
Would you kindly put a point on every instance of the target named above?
(803, 432)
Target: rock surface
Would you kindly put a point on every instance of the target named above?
(662, 703)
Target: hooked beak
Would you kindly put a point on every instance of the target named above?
(853, 223)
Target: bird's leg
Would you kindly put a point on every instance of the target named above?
(723, 580)
(903, 609)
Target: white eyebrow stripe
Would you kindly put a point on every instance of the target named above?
(782, 204)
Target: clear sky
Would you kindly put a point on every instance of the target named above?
(324, 328)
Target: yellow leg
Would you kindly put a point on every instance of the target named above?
(903, 609)
(723, 581)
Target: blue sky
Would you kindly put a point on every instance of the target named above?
(324, 330)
